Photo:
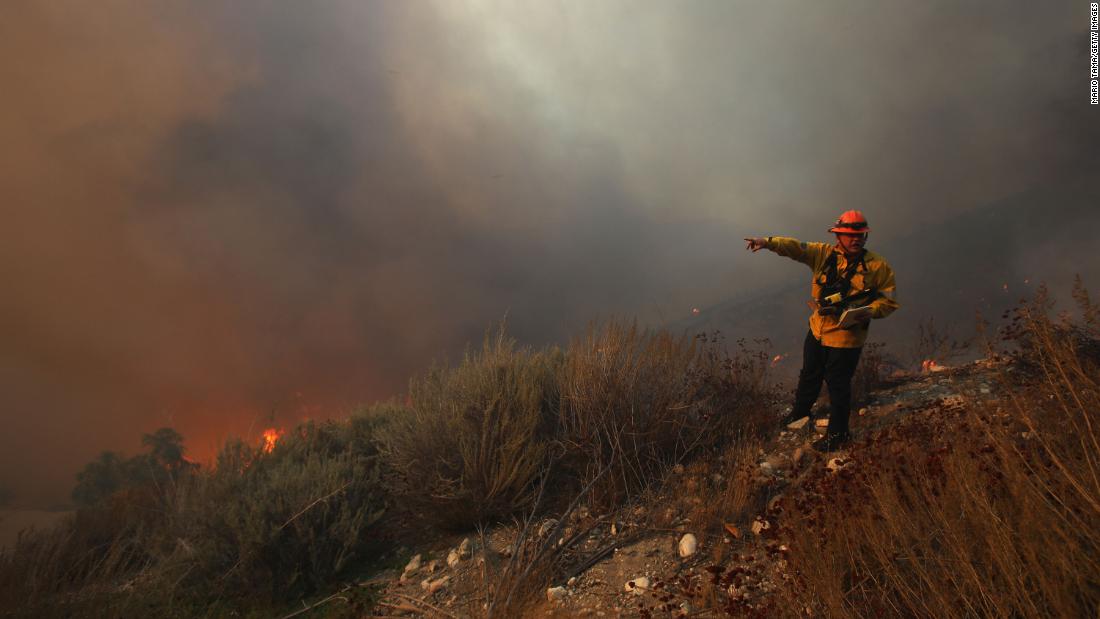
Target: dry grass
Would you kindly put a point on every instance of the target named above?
(986, 509)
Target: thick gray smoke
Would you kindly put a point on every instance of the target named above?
(225, 216)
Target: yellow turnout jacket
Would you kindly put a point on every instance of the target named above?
(877, 275)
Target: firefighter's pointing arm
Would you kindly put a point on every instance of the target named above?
(810, 254)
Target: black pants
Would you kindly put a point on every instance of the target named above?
(835, 366)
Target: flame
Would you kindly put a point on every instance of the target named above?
(695, 311)
(776, 360)
(271, 436)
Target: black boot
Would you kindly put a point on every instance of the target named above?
(832, 442)
(794, 416)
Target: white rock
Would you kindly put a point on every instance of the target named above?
(547, 526)
(413, 565)
(688, 545)
(835, 464)
(554, 594)
(796, 457)
(572, 581)
(639, 585)
(798, 424)
(436, 585)
(614, 529)
(452, 558)
(464, 549)
(759, 525)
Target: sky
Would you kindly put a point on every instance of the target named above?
(225, 216)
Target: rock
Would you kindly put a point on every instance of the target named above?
(547, 526)
(796, 457)
(412, 566)
(553, 594)
(773, 503)
(572, 581)
(639, 585)
(688, 545)
(760, 525)
(436, 585)
(732, 530)
(678, 469)
(835, 464)
(985, 389)
(767, 467)
(821, 423)
(798, 424)
(614, 529)
(452, 558)
(432, 566)
(464, 549)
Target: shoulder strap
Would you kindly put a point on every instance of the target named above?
(828, 271)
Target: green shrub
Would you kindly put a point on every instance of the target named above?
(281, 524)
(474, 437)
(256, 529)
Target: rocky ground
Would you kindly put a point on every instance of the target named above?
(654, 556)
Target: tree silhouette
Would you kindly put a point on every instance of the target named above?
(166, 447)
(99, 478)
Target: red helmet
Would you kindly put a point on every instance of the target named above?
(851, 222)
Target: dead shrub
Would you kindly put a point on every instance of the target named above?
(470, 445)
(639, 401)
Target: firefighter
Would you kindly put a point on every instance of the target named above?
(845, 276)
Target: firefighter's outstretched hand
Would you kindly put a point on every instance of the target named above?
(756, 243)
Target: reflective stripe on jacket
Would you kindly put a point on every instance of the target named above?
(878, 275)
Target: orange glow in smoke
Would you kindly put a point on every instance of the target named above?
(928, 365)
(271, 436)
(695, 310)
(776, 360)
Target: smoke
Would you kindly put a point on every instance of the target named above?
(224, 216)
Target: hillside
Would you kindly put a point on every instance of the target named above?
(631, 474)
(752, 494)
